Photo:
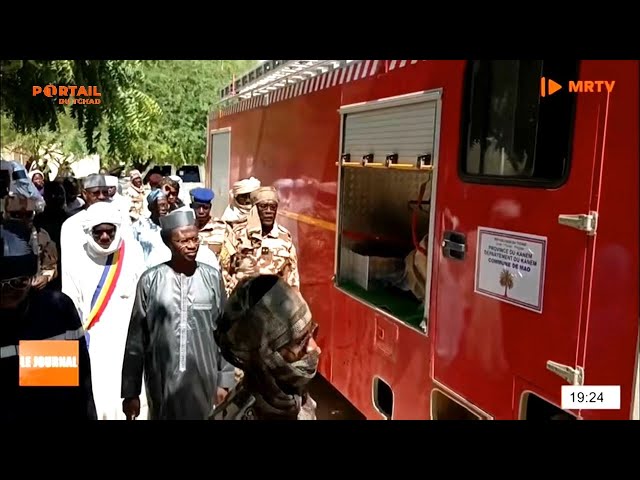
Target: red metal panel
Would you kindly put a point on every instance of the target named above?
(610, 350)
(481, 342)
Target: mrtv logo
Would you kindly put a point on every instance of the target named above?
(549, 87)
(70, 94)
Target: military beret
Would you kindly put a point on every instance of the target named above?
(202, 195)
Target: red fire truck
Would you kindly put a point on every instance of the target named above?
(467, 231)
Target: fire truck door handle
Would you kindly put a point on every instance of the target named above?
(454, 245)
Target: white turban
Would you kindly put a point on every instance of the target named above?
(98, 213)
(234, 211)
(111, 180)
(246, 185)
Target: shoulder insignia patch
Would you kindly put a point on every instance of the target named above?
(284, 232)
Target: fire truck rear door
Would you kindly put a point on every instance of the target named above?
(514, 226)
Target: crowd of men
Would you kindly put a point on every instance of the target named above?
(178, 315)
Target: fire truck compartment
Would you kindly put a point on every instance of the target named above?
(384, 202)
(376, 241)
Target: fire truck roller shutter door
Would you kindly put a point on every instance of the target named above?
(220, 158)
(382, 146)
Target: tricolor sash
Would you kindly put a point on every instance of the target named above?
(106, 286)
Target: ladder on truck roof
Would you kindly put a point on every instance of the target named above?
(274, 74)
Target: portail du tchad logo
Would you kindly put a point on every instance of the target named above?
(49, 363)
(70, 94)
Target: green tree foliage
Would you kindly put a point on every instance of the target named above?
(185, 91)
(150, 111)
(64, 145)
(124, 113)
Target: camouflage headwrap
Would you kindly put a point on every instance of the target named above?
(264, 194)
(263, 315)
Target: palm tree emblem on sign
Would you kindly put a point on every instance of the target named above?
(506, 280)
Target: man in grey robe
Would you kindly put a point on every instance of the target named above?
(170, 337)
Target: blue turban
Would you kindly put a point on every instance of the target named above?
(154, 196)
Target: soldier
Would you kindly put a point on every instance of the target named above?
(136, 195)
(212, 231)
(268, 331)
(240, 200)
(262, 247)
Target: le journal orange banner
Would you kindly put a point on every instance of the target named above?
(49, 363)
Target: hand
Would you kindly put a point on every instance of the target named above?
(131, 407)
(221, 394)
(39, 282)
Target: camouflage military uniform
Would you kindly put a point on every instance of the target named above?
(137, 197)
(253, 328)
(228, 245)
(246, 252)
(48, 254)
(240, 404)
(212, 235)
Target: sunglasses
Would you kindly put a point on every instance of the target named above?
(18, 282)
(98, 232)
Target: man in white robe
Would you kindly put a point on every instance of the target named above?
(102, 283)
(72, 235)
(146, 230)
(240, 200)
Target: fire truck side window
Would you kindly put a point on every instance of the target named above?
(385, 168)
(513, 135)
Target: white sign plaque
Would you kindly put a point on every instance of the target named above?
(510, 267)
